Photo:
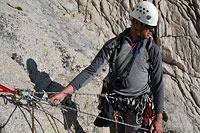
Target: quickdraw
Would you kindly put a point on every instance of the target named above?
(147, 114)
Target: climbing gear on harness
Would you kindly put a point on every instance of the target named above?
(147, 114)
(146, 13)
(144, 110)
(141, 105)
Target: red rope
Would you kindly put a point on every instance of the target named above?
(6, 90)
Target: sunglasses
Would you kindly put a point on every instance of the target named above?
(149, 27)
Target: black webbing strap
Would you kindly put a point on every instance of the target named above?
(150, 49)
(128, 67)
(119, 41)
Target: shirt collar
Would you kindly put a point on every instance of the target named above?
(126, 36)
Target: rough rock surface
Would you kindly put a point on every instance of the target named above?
(45, 43)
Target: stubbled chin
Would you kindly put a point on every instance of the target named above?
(148, 36)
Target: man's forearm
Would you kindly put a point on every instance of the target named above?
(68, 89)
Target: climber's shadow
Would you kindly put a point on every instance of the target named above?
(42, 83)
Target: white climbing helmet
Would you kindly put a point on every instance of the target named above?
(146, 13)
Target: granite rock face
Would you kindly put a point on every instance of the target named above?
(46, 43)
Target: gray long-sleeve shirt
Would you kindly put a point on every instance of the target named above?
(138, 77)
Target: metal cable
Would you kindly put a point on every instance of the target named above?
(88, 94)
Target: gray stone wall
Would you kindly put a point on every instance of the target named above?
(46, 43)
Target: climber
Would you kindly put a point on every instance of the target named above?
(131, 76)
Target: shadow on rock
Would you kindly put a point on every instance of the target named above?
(43, 83)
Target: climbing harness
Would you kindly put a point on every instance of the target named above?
(142, 106)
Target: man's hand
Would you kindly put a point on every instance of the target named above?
(58, 98)
(156, 125)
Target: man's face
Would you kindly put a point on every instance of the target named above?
(147, 31)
